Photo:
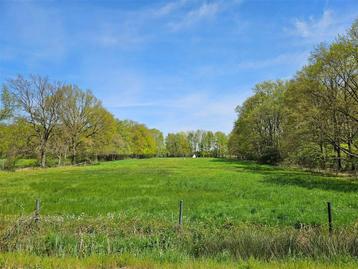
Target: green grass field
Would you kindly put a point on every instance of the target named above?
(232, 210)
(211, 189)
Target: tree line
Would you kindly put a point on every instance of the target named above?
(310, 120)
(199, 143)
(60, 123)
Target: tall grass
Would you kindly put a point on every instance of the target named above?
(83, 237)
(21, 260)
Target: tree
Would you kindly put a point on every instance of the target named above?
(6, 104)
(39, 100)
(258, 128)
(59, 145)
(220, 144)
(172, 145)
(123, 142)
(143, 141)
(102, 142)
(177, 145)
(82, 115)
(334, 69)
(302, 142)
(17, 140)
(311, 120)
(193, 142)
(184, 146)
(159, 142)
(207, 143)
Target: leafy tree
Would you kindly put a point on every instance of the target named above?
(220, 144)
(177, 145)
(82, 115)
(17, 140)
(207, 144)
(6, 104)
(102, 141)
(193, 140)
(159, 142)
(59, 145)
(258, 130)
(143, 141)
(311, 120)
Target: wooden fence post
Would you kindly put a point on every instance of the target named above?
(181, 212)
(37, 210)
(330, 225)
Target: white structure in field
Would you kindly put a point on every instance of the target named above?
(194, 156)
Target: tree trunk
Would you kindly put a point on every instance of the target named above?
(59, 160)
(74, 149)
(73, 157)
(43, 157)
(351, 159)
(339, 161)
(322, 153)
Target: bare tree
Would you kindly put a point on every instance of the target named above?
(39, 101)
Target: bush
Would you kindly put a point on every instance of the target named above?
(10, 162)
(309, 155)
(270, 155)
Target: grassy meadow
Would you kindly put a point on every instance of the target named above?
(233, 211)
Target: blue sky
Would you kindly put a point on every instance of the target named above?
(173, 65)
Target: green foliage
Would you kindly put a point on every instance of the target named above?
(7, 105)
(177, 145)
(311, 120)
(258, 130)
(270, 155)
(64, 122)
(199, 142)
(17, 141)
(137, 140)
(220, 144)
(143, 142)
(159, 142)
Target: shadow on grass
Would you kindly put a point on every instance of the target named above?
(250, 166)
(289, 177)
(312, 182)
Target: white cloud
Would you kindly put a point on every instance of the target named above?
(119, 36)
(199, 110)
(134, 105)
(169, 8)
(296, 59)
(311, 27)
(325, 28)
(205, 11)
(314, 29)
